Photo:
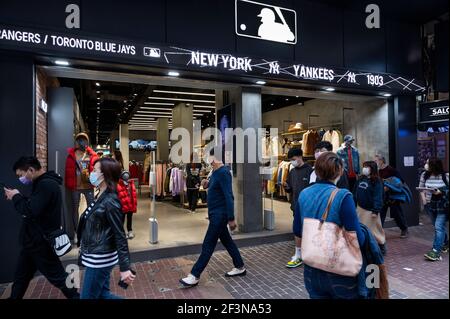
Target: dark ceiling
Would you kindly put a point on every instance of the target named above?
(104, 105)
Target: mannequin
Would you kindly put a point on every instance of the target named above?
(350, 156)
(79, 164)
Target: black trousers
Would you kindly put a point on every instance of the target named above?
(397, 214)
(44, 260)
(129, 219)
(192, 195)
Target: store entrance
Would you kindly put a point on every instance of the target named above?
(131, 122)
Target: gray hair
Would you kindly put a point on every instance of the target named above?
(381, 157)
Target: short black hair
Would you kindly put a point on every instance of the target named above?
(25, 162)
(324, 144)
(295, 152)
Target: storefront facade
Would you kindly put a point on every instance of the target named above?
(327, 46)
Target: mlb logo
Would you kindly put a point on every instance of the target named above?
(265, 22)
(152, 52)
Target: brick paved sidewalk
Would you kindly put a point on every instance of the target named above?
(410, 275)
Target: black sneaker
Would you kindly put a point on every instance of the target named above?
(404, 234)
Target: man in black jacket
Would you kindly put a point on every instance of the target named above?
(41, 214)
(297, 180)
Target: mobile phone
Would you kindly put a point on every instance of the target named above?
(3, 185)
(123, 284)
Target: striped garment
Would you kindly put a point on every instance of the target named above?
(433, 182)
(99, 260)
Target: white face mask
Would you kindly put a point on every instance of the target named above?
(294, 163)
(427, 167)
(366, 171)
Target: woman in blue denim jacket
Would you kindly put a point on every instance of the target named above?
(311, 204)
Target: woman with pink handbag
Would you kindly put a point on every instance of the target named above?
(326, 220)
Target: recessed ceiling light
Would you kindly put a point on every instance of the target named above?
(271, 104)
(297, 96)
(98, 92)
(287, 99)
(98, 103)
(97, 84)
(98, 98)
(387, 94)
(135, 94)
(330, 89)
(173, 73)
(62, 62)
(183, 100)
(260, 82)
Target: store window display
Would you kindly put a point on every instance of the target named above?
(79, 164)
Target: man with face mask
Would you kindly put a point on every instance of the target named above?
(323, 147)
(79, 164)
(41, 214)
(297, 180)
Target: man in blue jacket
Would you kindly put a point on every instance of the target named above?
(221, 215)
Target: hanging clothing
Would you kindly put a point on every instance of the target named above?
(310, 139)
(334, 137)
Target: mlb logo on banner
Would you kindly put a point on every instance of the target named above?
(265, 22)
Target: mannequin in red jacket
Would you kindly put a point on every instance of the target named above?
(127, 196)
(79, 164)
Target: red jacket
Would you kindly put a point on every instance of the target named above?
(71, 166)
(127, 196)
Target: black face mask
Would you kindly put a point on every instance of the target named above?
(82, 144)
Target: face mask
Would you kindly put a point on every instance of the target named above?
(25, 181)
(316, 155)
(82, 145)
(95, 179)
(294, 163)
(366, 171)
(427, 167)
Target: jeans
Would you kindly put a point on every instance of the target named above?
(217, 229)
(325, 285)
(192, 195)
(76, 195)
(96, 284)
(44, 260)
(440, 230)
(396, 213)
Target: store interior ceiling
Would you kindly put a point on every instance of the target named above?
(105, 104)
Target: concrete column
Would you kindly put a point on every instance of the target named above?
(404, 140)
(162, 139)
(182, 116)
(247, 180)
(124, 145)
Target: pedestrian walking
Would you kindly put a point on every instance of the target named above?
(434, 196)
(324, 203)
(297, 180)
(221, 215)
(128, 199)
(368, 195)
(41, 215)
(103, 240)
(386, 171)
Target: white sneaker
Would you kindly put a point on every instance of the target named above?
(236, 272)
(189, 281)
(130, 235)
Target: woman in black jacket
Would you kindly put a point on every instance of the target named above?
(103, 241)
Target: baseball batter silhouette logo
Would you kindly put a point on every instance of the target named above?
(265, 22)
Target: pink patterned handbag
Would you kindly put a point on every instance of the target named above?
(331, 248)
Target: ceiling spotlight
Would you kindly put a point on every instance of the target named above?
(173, 73)
(98, 92)
(98, 103)
(387, 94)
(330, 89)
(98, 98)
(271, 104)
(62, 62)
(135, 94)
(297, 96)
(287, 99)
(260, 82)
(97, 84)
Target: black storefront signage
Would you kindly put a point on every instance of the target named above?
(58, 44)
(434, 112)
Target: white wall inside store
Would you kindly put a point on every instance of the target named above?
(367, 121)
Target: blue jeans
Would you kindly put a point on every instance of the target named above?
(325, 285)
(440, 231)
(96, 284)
(217, 229)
